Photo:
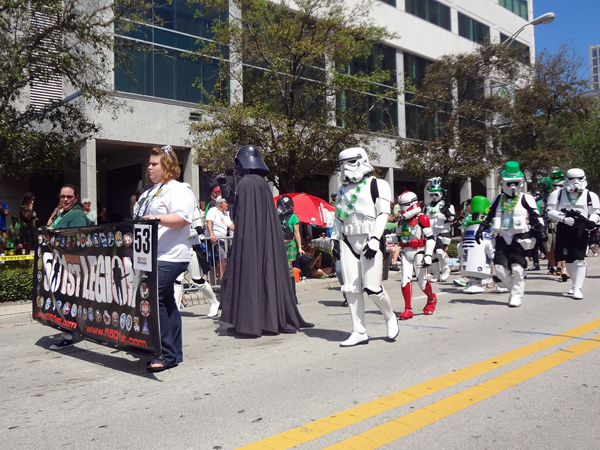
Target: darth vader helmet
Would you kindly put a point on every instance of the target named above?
(354, 164)
(249, 160)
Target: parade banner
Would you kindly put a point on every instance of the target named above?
(100, 282)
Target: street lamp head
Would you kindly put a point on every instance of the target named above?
(544, 19)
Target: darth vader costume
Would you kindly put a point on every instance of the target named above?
(257, 295)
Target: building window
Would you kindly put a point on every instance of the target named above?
(594, 53)
(519, 7)
(415, 69)
(595, 62)
(431, 11)
(390, 2)
(595, 70)
(525, 55)
(595, 78)
(472, 29)
(384, 116)
(155, 60)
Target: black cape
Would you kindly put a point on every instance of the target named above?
(257, 294)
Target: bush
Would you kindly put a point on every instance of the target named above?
(452, 252)
(16, 281)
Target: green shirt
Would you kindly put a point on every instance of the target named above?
(74, 217)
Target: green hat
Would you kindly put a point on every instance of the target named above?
(480, 204)
(546, 184)
(435, 184)
(512, 170)
(557, 176)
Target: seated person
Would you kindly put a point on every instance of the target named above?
(394, 250)
(310, 265)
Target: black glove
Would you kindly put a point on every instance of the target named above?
(336, 249)
(371, 247)
(479, 233)
(199, 230)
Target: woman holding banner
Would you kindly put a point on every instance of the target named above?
(173, 204)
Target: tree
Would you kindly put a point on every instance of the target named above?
(472, 129)
(313, 81)
(54, 42)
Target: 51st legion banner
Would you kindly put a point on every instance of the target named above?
(101, 283)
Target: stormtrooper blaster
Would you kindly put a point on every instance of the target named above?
(579, 218)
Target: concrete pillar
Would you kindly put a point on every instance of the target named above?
(190, 172)
(490, 185)
(389, 177)
(465, 191)
(401, 96)
(87, 161)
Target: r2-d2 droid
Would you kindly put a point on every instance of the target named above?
(476, 259)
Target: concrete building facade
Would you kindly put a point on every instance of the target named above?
(160, 100)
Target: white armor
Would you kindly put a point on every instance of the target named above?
(507, 224)
(196, 272)
(574, 197)
(442, 231)
(358, 227)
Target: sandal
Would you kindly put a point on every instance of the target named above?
(158, 366)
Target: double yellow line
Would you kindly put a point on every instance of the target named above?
(404, 425)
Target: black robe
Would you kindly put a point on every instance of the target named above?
(257, 294)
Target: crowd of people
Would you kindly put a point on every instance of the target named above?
(18, 235)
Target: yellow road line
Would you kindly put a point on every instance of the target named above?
(326, 425)
(404, 425)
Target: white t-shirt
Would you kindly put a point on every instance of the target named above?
(221, 222)
(172, 197)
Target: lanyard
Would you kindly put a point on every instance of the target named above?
(62, 216)
(148, 200)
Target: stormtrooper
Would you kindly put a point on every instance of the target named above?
(577, 211)
(195, 271)
(441, 216)
(417, 242)
(362, 210)
(515, 220)
(476, 259)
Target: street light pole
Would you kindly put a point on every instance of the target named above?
(544, 19)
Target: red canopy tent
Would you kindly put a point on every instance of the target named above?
(309, 208)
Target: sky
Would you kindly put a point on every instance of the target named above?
(577, 24)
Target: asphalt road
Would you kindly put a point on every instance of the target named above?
(475, 375)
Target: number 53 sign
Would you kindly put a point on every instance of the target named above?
(142, 247)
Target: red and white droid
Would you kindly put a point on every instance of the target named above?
(418, 243)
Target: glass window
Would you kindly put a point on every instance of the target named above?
(167, 70)
(596, 78)
(519, 7)
(525, 56)
(415, 69)
(390, 2)
(594, 53)
(595, 70)
(595, 62)
(472, 29)
(431, 11)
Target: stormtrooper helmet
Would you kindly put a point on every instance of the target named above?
(575, 180)
(354, 164)
(435, 189)
(512, 179)
(409, 204)
(285, 206)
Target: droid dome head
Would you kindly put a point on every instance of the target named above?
(513, 179)
(575, 180)
(480, 206)
(285, 206)
(558, 178)
(435, 189)
(249, 160)
(409, 204)
(354, 164)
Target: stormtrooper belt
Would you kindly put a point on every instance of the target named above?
(413, 243)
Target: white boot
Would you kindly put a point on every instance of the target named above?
(355, 339)
(382, 301)
(444, 267)
(178, 290)
(518, 286)
(434, 271)
(578, 271)
(213, 310)
(474, 286)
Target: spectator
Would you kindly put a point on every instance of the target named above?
(102, 215)
(173, 204)
(4, 211)
(203, 214)
(311, 265)
(394, 250)
(91, 213)
(216, 193)
(13, 235)
(333, 201)
(55, 213)
(217, 225)
(133, 200)
(72, 216)
(28, 234)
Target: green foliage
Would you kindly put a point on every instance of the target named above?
(16, 281)
(296, 69)
(452, 252)
(37, 47)
(472, 131)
